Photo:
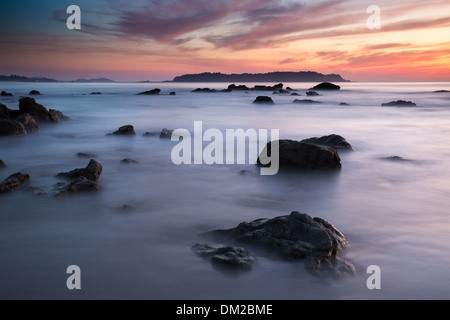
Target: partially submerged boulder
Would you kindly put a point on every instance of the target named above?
(333, 141)
(301, 155)
(293, 237)
(6, 94)
(92, 172)
(166, 133)
(155, 91)
(305, 101)
(399, 103)
(34, 92)
(225, 256)
(127, 130)
(326, 86)
(81, 180)
(2, 164)
(13, 182)
(312, 93)
(39, 112)
(263, 100)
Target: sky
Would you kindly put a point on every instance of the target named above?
(160, 39)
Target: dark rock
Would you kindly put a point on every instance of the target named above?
(343, 104)
(29, 123)
(276, 87)
(263, 99)
(326, 86)
(441, 91)
(289, 89)
(13, 182)
(294, 154)
(239, 87)
(204, 90)
(92, 172)
(127, 130)
(6, 94)
(80, 184)
(2, 164)
(306, 101)
(333, 141)
(312, 94)
(128, 160)
(166, 133)
(86, 155)
(12, 128)
(295, 94)
(225, 256)
(127, 207)
(395, 158)
(34, 92)
(4, 111)
(293, 237)
(155, 91)
(173, 93)
(401, 103)
(39, 112)
(57, 116)
(95, 93)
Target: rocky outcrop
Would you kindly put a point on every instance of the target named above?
(39, 112)
(399, 103)
(326, 86)
(263, 99)
(128, 160)
(333, 141)
(81, 180)
(12, 128)
(96, 93)
(225, 256)
(127, 130)
(14, 182)
(300, 155)
(155, 91)
(297, 236)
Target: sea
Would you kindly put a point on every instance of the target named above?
(132, 238)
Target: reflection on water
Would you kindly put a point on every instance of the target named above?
(394, 213)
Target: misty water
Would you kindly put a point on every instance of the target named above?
(395, 214)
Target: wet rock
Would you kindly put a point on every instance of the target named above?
(155, 91)
(80, 184)
(12, 128)
(30, 124)
(127, 130)
(263, 99)
(92, 172)
(276, 87)
(300, 155)
(326, 86)
(6, 94)
(293, 237)
(13, 182)
(399, 103)
(34, 92)
(305, 101)
(333, 141)
(312, 94)
(225, 256)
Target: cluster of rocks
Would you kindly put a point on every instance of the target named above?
(128, 130)
(27, 118)
(293, 237)
(399, 103)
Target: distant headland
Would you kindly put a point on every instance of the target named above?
(301, 76)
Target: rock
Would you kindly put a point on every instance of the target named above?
(95, 93)
(166, 133)
(80, 184)
(13, 182)
(333, 141)
(155, 91)
(127, 207)
(312, 94)
(295, 154)
(12, 128)
(173, 93)
(4, 111)
(39, 112)
(34, 92)
(29, 123)
(441, 91)
(2, 164)
(401, 103)
(295, 94)
(225, 256)
(241, 87)
(57, 116)
(86, 155)
(263, 99)
(326, 86)
(293, 237)
(127, 130)
(395, 158)
(276, 87)
(150, 134)
(128, 160)
(92, 172)
(204, 90)
(343, 104)
(6, 94)
(305, 101)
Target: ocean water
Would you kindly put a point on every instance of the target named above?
(395, 214)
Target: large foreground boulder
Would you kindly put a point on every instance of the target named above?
(293, 237)
(13, 182)
(333, 141)
(295, 154)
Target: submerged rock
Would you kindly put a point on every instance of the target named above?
(82, 180)
(128, 160)
(96, 93)
(155, 91)
(312, 94)
(326, 86)
(6, 94)
(92, 172)
(334, 141)
(263, 99)
(127, 130)
(305, 101)
(295, 154)
(225, 256)
(293, 237)
(34, 92)
(13, 182)
(395, 158)
(173, 93)
(441, 91)
(400, 103)
(86, 155)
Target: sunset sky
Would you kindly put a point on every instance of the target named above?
(160, 39)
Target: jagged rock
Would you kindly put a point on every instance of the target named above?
(241, 87)
(293, 237)
(12, 128)
(326, 86)
(333, 141)
(92, 172)
(80, 184)
(29, 123)
(4, 111)
(155, 91)
(13, 182)
(295, 154)
(127, 130)
(263, 99)
(225, 256)
(400, 103)
(305, 101)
